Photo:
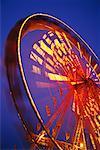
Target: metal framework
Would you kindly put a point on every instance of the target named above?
(66, 69)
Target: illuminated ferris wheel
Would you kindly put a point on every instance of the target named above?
(54, 81)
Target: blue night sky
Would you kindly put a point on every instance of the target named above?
(82, 15)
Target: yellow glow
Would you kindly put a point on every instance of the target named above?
(52, 46)
(35, 46)
(41, 136)
(96, 121)
(99, 117)
(63, 47)
(34, 57)
(67, 59)
(59, 52)
(40, 61)
(92, 140)
(81, 145)
(49, 68)
(58, 34)
(59, 59)
(38, 49)
(90, 60)
(60, 46)
(48, 40)
(54, 60)
(95, 66)
(70, 58)
(57, 77)
(57, 43)
(99, 75)
(67, 40)
(46, 48)
(78, 44)
(50, 61)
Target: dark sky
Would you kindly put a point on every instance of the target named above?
(82, 15)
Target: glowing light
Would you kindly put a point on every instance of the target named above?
(99, 75)
(44, 36)
(45, 48)
(38, 49)
(99, 117)
(79, 48)
(32, 56)
(36, 69)
(41, 136)
(36, 58)
(57, 77)
(59, 52)
(59, 59)
(81, 145)
(54, 57)
(92, 140)
(52, 46)
(67, 40)
(59, 45)
(48, 41)
(95, 66)
(90, 60)
(78, 44)
(67, 136)
(59, 35)
(49, 68)
(50, 61)
(51, 34)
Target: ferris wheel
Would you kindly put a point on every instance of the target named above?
(54, 81)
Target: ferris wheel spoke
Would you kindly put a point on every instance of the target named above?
(94, 132)
(63, 106)
(79, 135)
(59, 123)
(90, 112)
(64, 103)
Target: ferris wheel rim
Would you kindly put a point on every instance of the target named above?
(20, 61)
(19, 55)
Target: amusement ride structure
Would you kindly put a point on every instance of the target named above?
(54, 81)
